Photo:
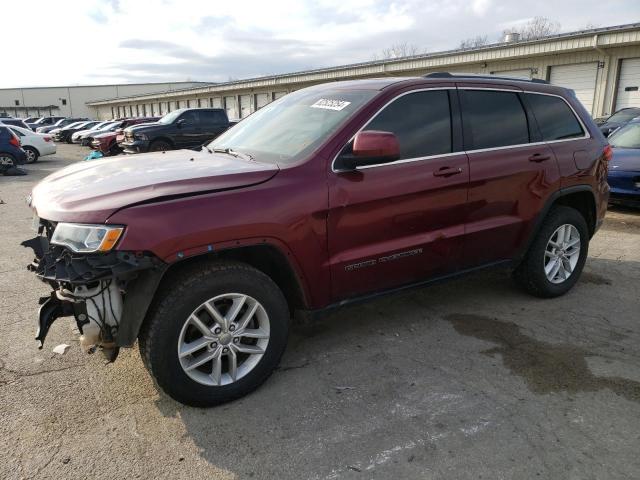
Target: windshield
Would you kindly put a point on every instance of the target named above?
(626, 137)
(170, 117)
(287, 129)
(624, 115)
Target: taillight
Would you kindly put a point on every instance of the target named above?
(47, 139)
(607, 153)
(15, 141)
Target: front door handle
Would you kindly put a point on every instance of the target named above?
(539, 157)
(447, 171)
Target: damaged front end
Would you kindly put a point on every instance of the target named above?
(107, 293)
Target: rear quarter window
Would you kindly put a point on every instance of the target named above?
(555, 118)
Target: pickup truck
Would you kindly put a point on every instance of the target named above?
(183, 128)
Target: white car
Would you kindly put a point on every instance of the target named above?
(78, 136)
(34, 144)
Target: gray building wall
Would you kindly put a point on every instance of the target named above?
(72, 100)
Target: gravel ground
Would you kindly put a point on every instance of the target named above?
(468, 379)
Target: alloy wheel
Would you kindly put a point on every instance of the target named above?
(223, 339)
(562, 253)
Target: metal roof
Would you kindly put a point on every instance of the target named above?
(585, 39)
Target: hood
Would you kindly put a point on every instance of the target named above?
(135, 126)
(155, 127)
(625, 160)
(92, 191)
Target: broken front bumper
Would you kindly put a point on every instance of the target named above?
(108, 294)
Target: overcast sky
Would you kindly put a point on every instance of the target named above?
(109, 41)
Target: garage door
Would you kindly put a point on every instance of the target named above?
(262, 99)
(277, 95)
(580, 77)
(216, 102)
(523, 73)
(230, 106)
(628, 94)
(245, 106)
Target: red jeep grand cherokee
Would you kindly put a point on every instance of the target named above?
(330, 194)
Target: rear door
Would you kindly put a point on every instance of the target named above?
(512, 173)
(213, 123)
(394, 224)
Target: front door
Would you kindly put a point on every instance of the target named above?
(394, 224)
(189, 131)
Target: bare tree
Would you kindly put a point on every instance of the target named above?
(538, 27)
(474, 42)
(397, 50)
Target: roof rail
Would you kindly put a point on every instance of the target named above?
(473, 75)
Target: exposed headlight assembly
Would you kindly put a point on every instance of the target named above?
(86, 238)
(140, 136)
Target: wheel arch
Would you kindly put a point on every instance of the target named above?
(162, 138)
(267, 258)
(580, 197)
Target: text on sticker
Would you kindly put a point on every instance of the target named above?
(329, 104)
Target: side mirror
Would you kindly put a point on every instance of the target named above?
(371, 147)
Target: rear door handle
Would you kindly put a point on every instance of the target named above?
(539, 157)
(447, 171)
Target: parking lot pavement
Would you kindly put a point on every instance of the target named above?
(467, 379)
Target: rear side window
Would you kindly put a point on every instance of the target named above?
(212, 117)
(493, 119)
(420, 120)
(554, 117)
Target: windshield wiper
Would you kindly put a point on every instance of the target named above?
(230, 151)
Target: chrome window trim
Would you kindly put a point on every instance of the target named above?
(404, 160)
(480, 150)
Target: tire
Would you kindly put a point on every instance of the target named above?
(531, 274)
(32, 154)
(7, 161)
(159, 146)
(169, 320)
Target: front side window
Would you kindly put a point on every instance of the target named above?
(190, 117)
(493, 119)
(554, 117)
(421, 121)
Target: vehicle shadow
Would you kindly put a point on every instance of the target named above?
(414, 370)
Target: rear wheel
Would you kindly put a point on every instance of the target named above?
(6, 162)
(32, 154)
(557, 255)
(215, 334)
(159, 146)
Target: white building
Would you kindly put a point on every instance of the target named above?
(72, 101)
(602, 65)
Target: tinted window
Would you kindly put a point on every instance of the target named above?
(190, 117)
(554, 117)
(212, 117)
(493, 119)
(421, 121)
(17, 132)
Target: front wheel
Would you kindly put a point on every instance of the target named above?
(557, 255)
(215, 334)
(159, 146)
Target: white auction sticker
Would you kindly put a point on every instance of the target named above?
(329, 104)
